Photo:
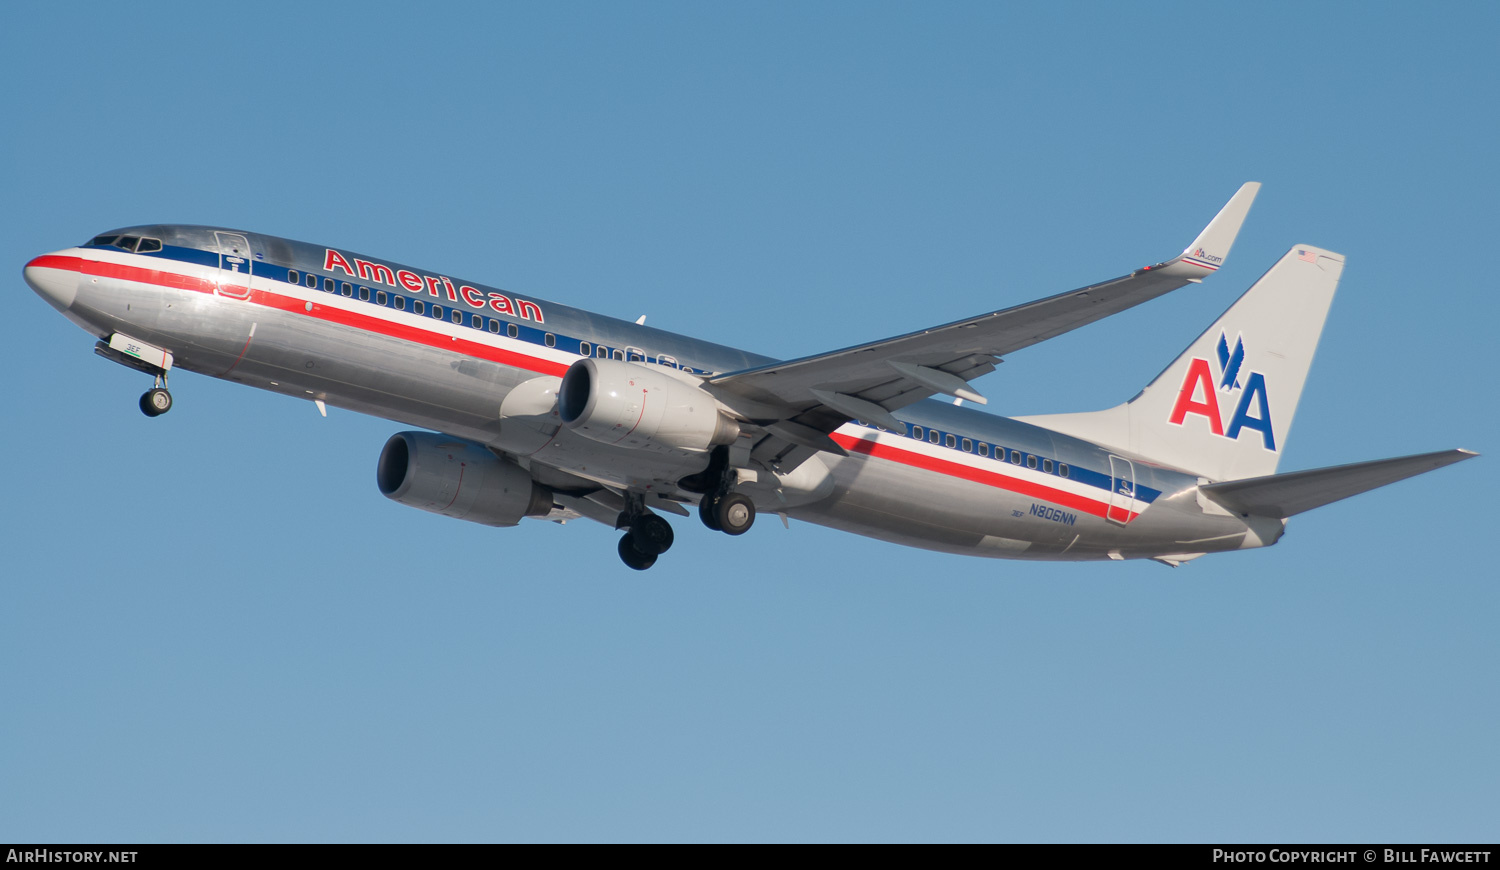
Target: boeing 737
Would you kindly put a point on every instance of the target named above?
(535, 409)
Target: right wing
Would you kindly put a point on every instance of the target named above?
(800, 401)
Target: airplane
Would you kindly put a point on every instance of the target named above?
(534, 409)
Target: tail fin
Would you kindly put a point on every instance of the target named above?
(1224, 407)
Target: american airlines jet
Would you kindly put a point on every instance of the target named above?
(534, 409)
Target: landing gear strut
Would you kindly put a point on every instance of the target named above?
(647, 536)
(156, 401)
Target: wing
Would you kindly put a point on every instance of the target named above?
(800, 401)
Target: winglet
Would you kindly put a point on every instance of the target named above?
(1209, 251)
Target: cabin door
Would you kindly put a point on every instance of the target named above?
(234, 265)
(1121, 490)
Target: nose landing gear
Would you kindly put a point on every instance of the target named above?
(156, 401)
(154, 361)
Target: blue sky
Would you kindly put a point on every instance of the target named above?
(212, 627)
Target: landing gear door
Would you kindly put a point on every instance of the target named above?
(234, 265)
(1121, 491)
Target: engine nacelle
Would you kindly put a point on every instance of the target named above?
(641, 407)
(458, 479)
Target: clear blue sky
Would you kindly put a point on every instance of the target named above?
(212, 627)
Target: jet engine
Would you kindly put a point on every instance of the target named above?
(641, 407)
(458, 479)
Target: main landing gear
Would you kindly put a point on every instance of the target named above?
(647, 537)
(726, 511)
(721, 508)
(156, 401)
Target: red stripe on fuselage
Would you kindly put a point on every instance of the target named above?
(977, 475)
(327, 313)
(417, 335)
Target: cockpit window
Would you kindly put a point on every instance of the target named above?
(134, 244)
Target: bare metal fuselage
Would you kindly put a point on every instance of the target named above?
(321, 324)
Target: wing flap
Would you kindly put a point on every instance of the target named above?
(1285, 495)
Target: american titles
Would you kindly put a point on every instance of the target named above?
(437, 286)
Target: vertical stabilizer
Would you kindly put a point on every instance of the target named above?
(1224, 407)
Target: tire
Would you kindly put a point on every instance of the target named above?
(735, 514)
(632, 557)
(651, 535)
(155, 402)
(707, 511)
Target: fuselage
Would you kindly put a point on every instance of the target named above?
(442, 353)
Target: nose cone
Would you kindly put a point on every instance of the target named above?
(51, 278)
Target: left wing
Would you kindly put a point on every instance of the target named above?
(801, 401)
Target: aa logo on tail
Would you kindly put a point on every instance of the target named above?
(1199, 395)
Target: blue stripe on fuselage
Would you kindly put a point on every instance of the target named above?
(534, 335)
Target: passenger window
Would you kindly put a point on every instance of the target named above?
(148, 245)
(951, 440)
(476, 321)
(667, 360)
(968, 446)
(1015, 457)
(345, 289)
(458, 317)
(1062, 468)
(437, 311)
(984, 449)
(933, 436)
(584, 348)
(312, 281)
(328, 285)
(916, 432)
(293, 276)
(380, 297)
(494, 326)
(602, 352)
(637, 356)
(1047, 465)
(550, 340)
(1030, 461)
(512, 330)
(418, 306)
(400, 302)
(619, 355)
(364, 294)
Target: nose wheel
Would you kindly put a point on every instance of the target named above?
(156, 401)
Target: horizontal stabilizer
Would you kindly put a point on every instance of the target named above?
(1284, 495)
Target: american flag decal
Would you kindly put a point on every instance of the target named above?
(1307, 256)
